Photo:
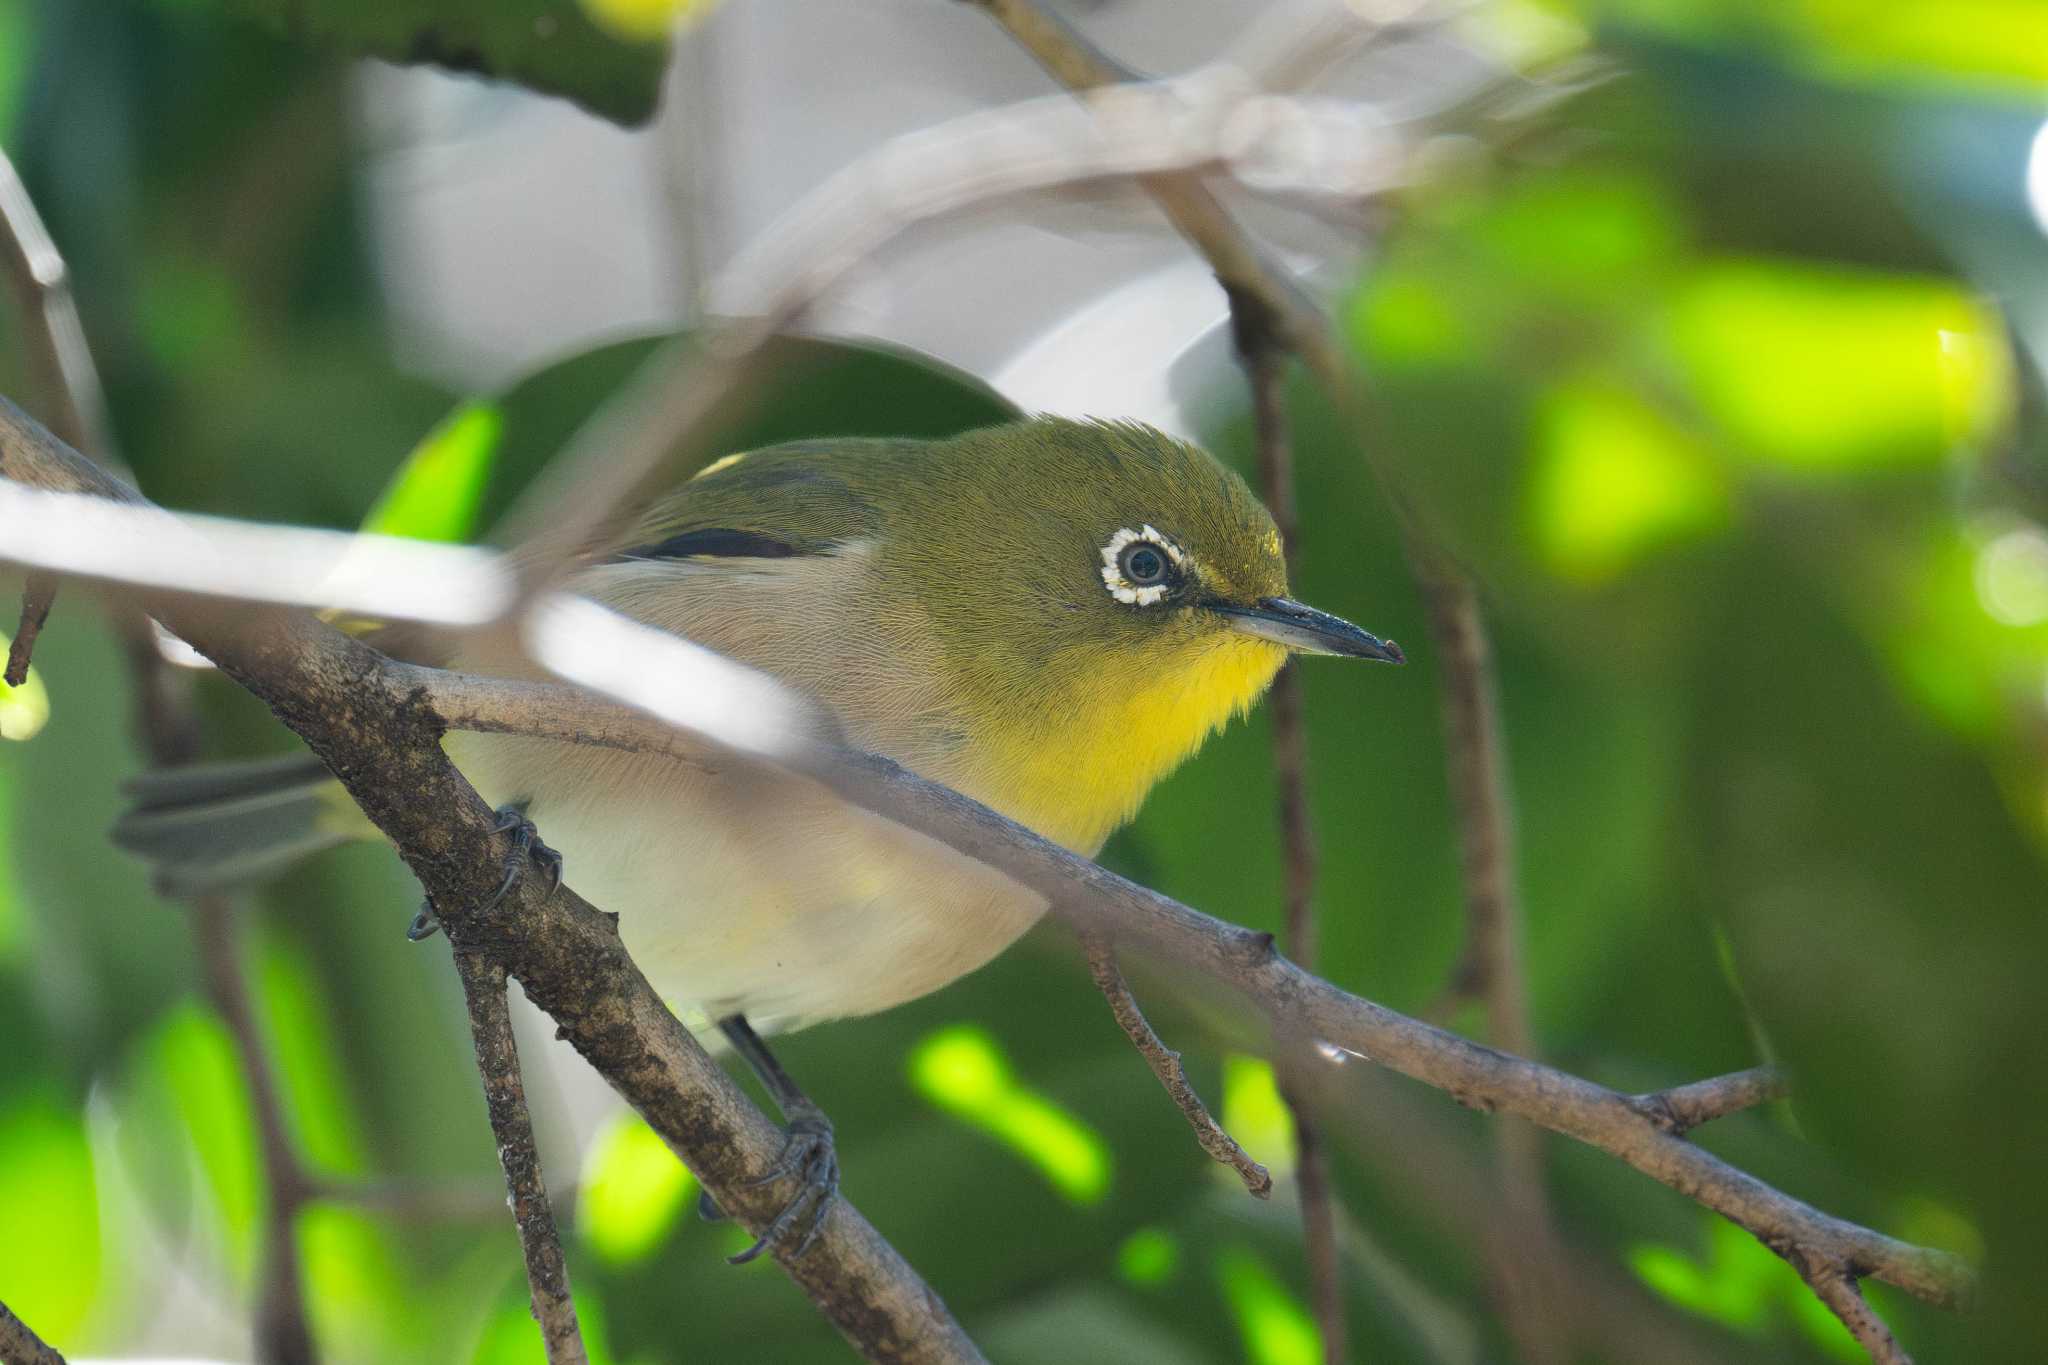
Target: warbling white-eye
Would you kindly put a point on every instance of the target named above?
(1047, 616)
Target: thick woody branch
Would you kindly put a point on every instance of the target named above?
(1165, 1064)
(497, 1061)
(381, 738)
(20, 1346)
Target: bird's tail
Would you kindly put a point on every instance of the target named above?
(210, 826)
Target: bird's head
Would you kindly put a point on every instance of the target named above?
(1110, 547)
(1107, 595)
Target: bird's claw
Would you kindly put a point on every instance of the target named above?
(808, 1154)
(526, 848)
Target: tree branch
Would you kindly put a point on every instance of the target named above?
(1100, 903)
(497, 1062)
(1165, 1064)
(1835, 1286)
(381, 738)
(20, 1346)
(1683, 1108)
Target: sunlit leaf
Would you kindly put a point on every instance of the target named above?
(50, 1259)
(439, 490)
(643, 21)
(963, 1071)
(632, 1193)
(194, 1054)
(1274, 1324)
(1832, 369)
(311, 1077)
(1149, 1256)
(1255, 1114)
(1614, 478)
(24, 710)
(357, 1295)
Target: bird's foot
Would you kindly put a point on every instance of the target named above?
(526, 848)
(425, 924)
(809, 1154)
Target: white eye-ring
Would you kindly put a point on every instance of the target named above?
(1140, 567)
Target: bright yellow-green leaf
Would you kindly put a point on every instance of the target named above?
(2000, 42)
(1254, 1113)
(311, 1078)
(437, 493)
(356, 1292)
(24, 710)
(963, 1071)
(194, 1054)
(1401, 319)
(1614, 479)
(1148, 1257)
(50, 1258)
(645, 20)
(1825, 369)
(633, 1191)
(1275, 1326)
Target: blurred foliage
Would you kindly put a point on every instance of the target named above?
(607, 55)
(1720, 378)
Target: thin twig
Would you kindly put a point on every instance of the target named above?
(1683, 1108)
(21, 1346)
(1837, 1288)
(36, 596)
(497, 1061)
(1264, 359)
(1165, 1064)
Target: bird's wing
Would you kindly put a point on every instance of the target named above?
(783, 502)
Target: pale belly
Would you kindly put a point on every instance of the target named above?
(740, 891)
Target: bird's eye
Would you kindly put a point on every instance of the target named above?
(1142, 564)
(1142, 567)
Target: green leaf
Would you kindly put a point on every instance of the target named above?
(193, 1055)
(553, 46)
(633, 1191)
(438, 491)
(963, 1071)
(50, 1259)
(1275, 1326)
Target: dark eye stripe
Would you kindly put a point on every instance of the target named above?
(718, 542)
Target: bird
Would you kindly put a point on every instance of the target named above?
(1048, 616)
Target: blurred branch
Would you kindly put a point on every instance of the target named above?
(379, 734)
(1165, 1064)
(20, 1346)
(1683, 1108)
(282, 1334)
(1264, 359)
(497, 1061)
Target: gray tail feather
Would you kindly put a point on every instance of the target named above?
(210, 826)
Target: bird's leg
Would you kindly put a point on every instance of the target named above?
(808, 1153)
(526, 847)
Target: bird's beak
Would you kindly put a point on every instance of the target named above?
(1287, 622)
